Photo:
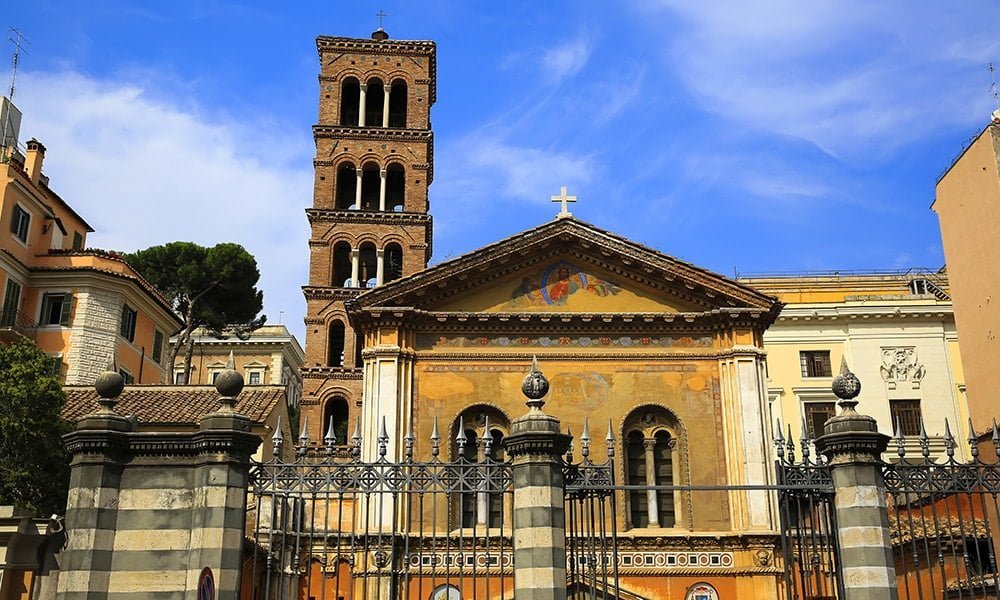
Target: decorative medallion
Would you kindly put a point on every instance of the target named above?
(702, 591)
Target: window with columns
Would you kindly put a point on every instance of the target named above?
(397, 104)
(366, 266)
(373, 104)
(335, 344)
(370, 188)
(376, 103)
(484, 429)
(650, 460)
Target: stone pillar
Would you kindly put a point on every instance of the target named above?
(381, 189)
(385, 106)
(355, 267)
(652, 508)
(853, 446)
(357, 189)
(362, 93)
(536, 447)
(152, 513)
(379, 266)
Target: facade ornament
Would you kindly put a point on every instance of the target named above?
(900, 365)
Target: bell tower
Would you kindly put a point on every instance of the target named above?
(369, 222)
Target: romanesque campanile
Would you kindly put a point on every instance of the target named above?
(369, 223)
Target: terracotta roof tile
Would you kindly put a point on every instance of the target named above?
(175, 405)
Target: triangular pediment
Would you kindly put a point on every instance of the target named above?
(566, 266)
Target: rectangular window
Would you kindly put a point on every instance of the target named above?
(817, 413)
(20, 222)
(215, 374)
(55, 309)
(129, 380)
(11, 302)
(815, 363)
(905, 416)
(77, 241)
(157, 346)
(128, 323)
(179, 377)
(253, 377)
(57, 365)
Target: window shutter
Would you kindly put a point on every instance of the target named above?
(67, 305)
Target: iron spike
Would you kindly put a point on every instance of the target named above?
(609, 441)
(408, 441)
(383, 439)
(330, 439)
(898, 437)
(585, 436)
(779, 440)
(949, 440)
(460, 439)
(304, 435)
(569, 447)
(925, 442)
(487, 441)
(996, 438)
(790, 445)
(435, 439)
(973, 440)
(805, 440)
(278, 438)
(356, 436)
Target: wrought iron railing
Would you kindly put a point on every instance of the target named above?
(19, 322)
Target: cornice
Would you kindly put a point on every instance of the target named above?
(327, 215)
(526, 355)
(330, 293)
(388, 134)
(339, 373)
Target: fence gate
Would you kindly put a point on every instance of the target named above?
(327, 525)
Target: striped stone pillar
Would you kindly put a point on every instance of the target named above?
(536, 447)
(156, 514)
(853, 446)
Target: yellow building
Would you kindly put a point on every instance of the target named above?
(81, 306)
(896, 330)
(269, 355)
(968, 207)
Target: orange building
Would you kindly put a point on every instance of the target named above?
(968, 207)
(81, 306)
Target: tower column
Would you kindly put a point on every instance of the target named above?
(357, 189)
(361, 106)
(385, 105)
(355, 266)
(652, 508)
(379, 266)
(381, 189)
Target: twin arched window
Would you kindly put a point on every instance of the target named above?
(485, 508)
(376, 189)
(650, 460)
(373, 105)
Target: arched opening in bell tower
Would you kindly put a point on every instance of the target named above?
(371, 181)
(374, 103)
(346, 190)
(397, 104)
(367, 265)
(393, 261)
(350, 102)
(335, 344)
(395, 185)
(342, 265)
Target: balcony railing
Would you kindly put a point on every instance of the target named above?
(17, 322)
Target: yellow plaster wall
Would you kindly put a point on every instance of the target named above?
(565, 286)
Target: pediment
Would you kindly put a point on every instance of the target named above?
(566, 266)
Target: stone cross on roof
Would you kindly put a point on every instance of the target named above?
(564, 199)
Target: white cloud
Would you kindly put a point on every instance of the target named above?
(853, 78)
(567, 59)
(143, 171)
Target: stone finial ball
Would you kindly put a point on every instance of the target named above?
(229, 383)
(535, 385)
(846, 386)
(109, 384)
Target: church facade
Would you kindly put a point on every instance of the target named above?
(665, 356)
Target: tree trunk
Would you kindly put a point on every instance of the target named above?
(188, 355)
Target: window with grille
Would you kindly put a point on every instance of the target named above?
(817, 414)
(77, 241)
(906, 416)
(20, 223)
(815, 363)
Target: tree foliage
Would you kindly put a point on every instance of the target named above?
(34, 466)
(214, 288)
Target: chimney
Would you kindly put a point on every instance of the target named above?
(33, 160)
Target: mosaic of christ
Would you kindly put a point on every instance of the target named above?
(556, 284)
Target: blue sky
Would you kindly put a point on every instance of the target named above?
(748, 135)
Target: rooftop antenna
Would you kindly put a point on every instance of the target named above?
(995, 91)
(19, 41)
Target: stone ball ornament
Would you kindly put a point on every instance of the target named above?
(535, 385)
(109, 384)
(229, 383)
(846, 386)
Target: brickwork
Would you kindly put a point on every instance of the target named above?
(373, 166)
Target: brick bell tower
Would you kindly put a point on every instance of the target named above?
(369, 221)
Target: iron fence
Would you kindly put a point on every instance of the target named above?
(329, 525)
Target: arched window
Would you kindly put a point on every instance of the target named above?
(371, 183)
(359, 346)
(337, 412)
(397, 104)
(335, 344)
(446, 592)
(346, 190)
(374, 103)
(341, 265)
(650, 460)
(350, 98)
(483, 508)
(393, 262)
(395, 186)
(367, 265)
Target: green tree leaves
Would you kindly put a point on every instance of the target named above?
(34, 466)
